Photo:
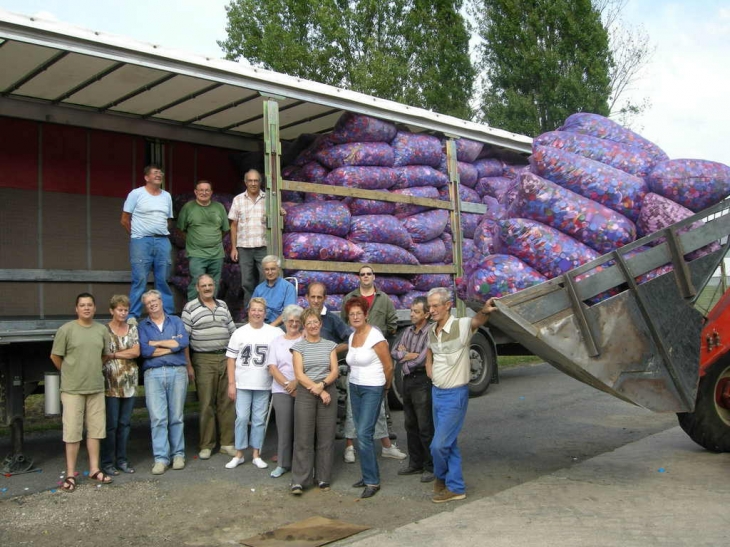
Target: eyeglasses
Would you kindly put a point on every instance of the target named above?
(366, 274)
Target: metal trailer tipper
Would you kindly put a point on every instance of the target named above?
(81, 114)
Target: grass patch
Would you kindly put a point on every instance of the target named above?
(509, 361)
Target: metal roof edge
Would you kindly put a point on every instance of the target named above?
(54, 34)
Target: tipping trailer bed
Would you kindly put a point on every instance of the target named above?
(640, 343)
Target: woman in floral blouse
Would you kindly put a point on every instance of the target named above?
(120, 378)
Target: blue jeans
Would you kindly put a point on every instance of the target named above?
(165, 392)
(150, 254)
(251, 404)
(118, 420)
(449, 411)
(366, 401)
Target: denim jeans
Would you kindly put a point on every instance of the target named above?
(118, 419)
(149, 254)
(381, 425)
(165, 392)
(251, 404)
(449, 411)
(366, 402)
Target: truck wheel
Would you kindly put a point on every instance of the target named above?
(395, 395)
(483, 362)
(709, 424)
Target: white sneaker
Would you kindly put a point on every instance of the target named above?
(261, 464)
(229, 450)
(205, 454)
(159, 468)
(349, 454)
(178, 462)
(235, 462)
(393, 452)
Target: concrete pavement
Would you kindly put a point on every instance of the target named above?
(661, 490)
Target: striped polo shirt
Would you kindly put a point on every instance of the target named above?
(209, 330)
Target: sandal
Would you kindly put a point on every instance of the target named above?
(125, 467)
(68, 484)
(110, 470)
(100, 477)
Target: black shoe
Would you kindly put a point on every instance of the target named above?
(392, 436)
(411, 471)
(324, 486)
(428, 476)
(370, 491)
(359, 484)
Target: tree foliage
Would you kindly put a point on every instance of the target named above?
(411, 51)
(542, 60)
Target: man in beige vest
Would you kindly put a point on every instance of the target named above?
(448, 366)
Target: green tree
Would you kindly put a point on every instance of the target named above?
(411, 51)
(542, 60)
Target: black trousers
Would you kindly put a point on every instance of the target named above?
(418, 415)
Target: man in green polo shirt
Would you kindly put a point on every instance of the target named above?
(204, 222)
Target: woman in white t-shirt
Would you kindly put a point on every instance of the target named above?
(284, 386)
(249, 381)
(371, 372)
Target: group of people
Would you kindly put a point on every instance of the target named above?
(284, 357)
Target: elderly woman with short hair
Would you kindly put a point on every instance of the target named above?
(284, 386)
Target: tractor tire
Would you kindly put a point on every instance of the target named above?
(709, 424)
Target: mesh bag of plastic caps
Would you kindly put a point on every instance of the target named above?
(334, 282)
(313, 172)
(406, 301)
(514, 171)
(385, 253)
(426, 282)
(310, 153)
(410, 176)
(468, 150)
(545, 249)
(484, 236)
(396, 301)
(659, 212)
(468, 249)
(631, 159)
(495, 187)
(466, 194)
(601, 127)
(489, 167)
(353, 127)
(500, 275)
(391, 284)
(599, 227)
(495, 210)
(468, 174)
(416, 149)
(367, 178)
(290, 171)
(310, 198)
(291, 197)
(379, 229)
(429, 252)
(322, 217)
(469, 223)
(427, 225)
(607, 185)
(360, 206)
(403, 210)
(696, 184)
(449, 244)
(356, 153)
(302, 246)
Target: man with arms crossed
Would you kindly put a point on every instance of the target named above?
(276, 290)
(448, 366)
(78, 350)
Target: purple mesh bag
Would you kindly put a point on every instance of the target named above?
(313, 172)
(696, 184)
(545, 249)
(406, 301)
(468, 174)
(495, 187)
(599, 227)
(385, 253)
(334, 282)
(403, 210)
(449, 245)
(469, 223)
(484, 236)
(321, 142)
(367, 178)
(427, 225)
(500, 275)
(379, 229)
(603, 128)
(416, 149)
(592, 179)
(353, 127)
(391, 284)
(360, 206)
(630, 159)
(302, 246)
(411, 176)
(468, 150)
(489, 167)
(356, 153)
(430, 252)
(426, 282)
(322, 217)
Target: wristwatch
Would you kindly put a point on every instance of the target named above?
(324, 383)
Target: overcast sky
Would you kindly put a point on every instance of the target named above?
(687, 82)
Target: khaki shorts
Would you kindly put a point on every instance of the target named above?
(76, 408)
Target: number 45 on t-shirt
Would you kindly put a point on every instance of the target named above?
(253, 352)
